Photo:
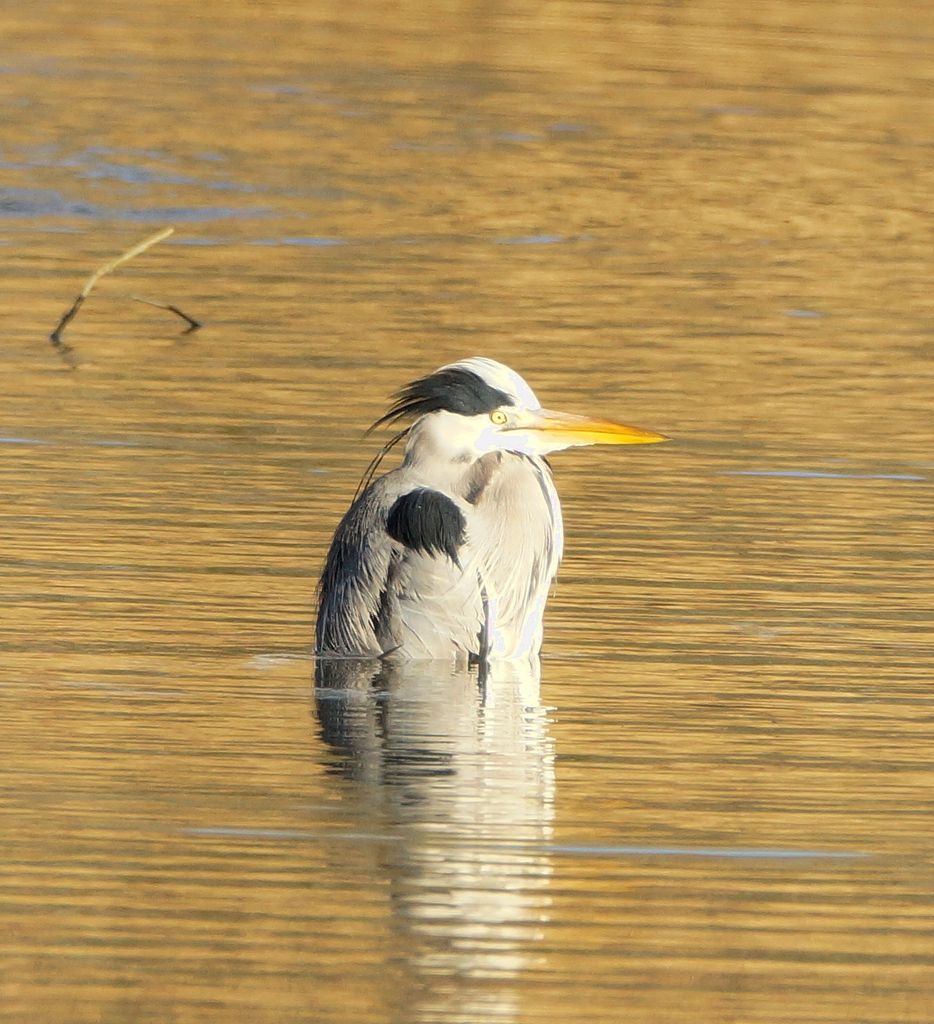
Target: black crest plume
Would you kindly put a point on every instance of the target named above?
(451, 388)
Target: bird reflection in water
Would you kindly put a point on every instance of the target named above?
(462, 774)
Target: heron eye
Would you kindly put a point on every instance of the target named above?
(498, 417)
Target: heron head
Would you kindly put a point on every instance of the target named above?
(475, 406)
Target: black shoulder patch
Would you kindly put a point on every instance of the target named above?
(426, 520)
(453, 389)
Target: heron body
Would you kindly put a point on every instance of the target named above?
(452, 554)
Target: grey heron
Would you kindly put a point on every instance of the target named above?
(452, 554)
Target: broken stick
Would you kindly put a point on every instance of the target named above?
(193, 324)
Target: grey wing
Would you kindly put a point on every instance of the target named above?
(394, 583)
(350, 592)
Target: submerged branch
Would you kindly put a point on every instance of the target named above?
(56, 336)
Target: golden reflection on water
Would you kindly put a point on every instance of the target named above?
(712, 220)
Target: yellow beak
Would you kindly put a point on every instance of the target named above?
(566, 429)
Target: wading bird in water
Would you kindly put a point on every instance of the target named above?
(452, 555)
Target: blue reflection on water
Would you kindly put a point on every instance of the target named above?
(821, 474)
(100, 443)
(566, 849)
(310, 241)
(704, 851)
(531, 240)
(44, 202)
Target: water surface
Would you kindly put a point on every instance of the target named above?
(713, 802)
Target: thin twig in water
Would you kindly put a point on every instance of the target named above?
(56, 336)
(193, 324)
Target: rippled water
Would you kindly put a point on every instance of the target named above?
(713, 803)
